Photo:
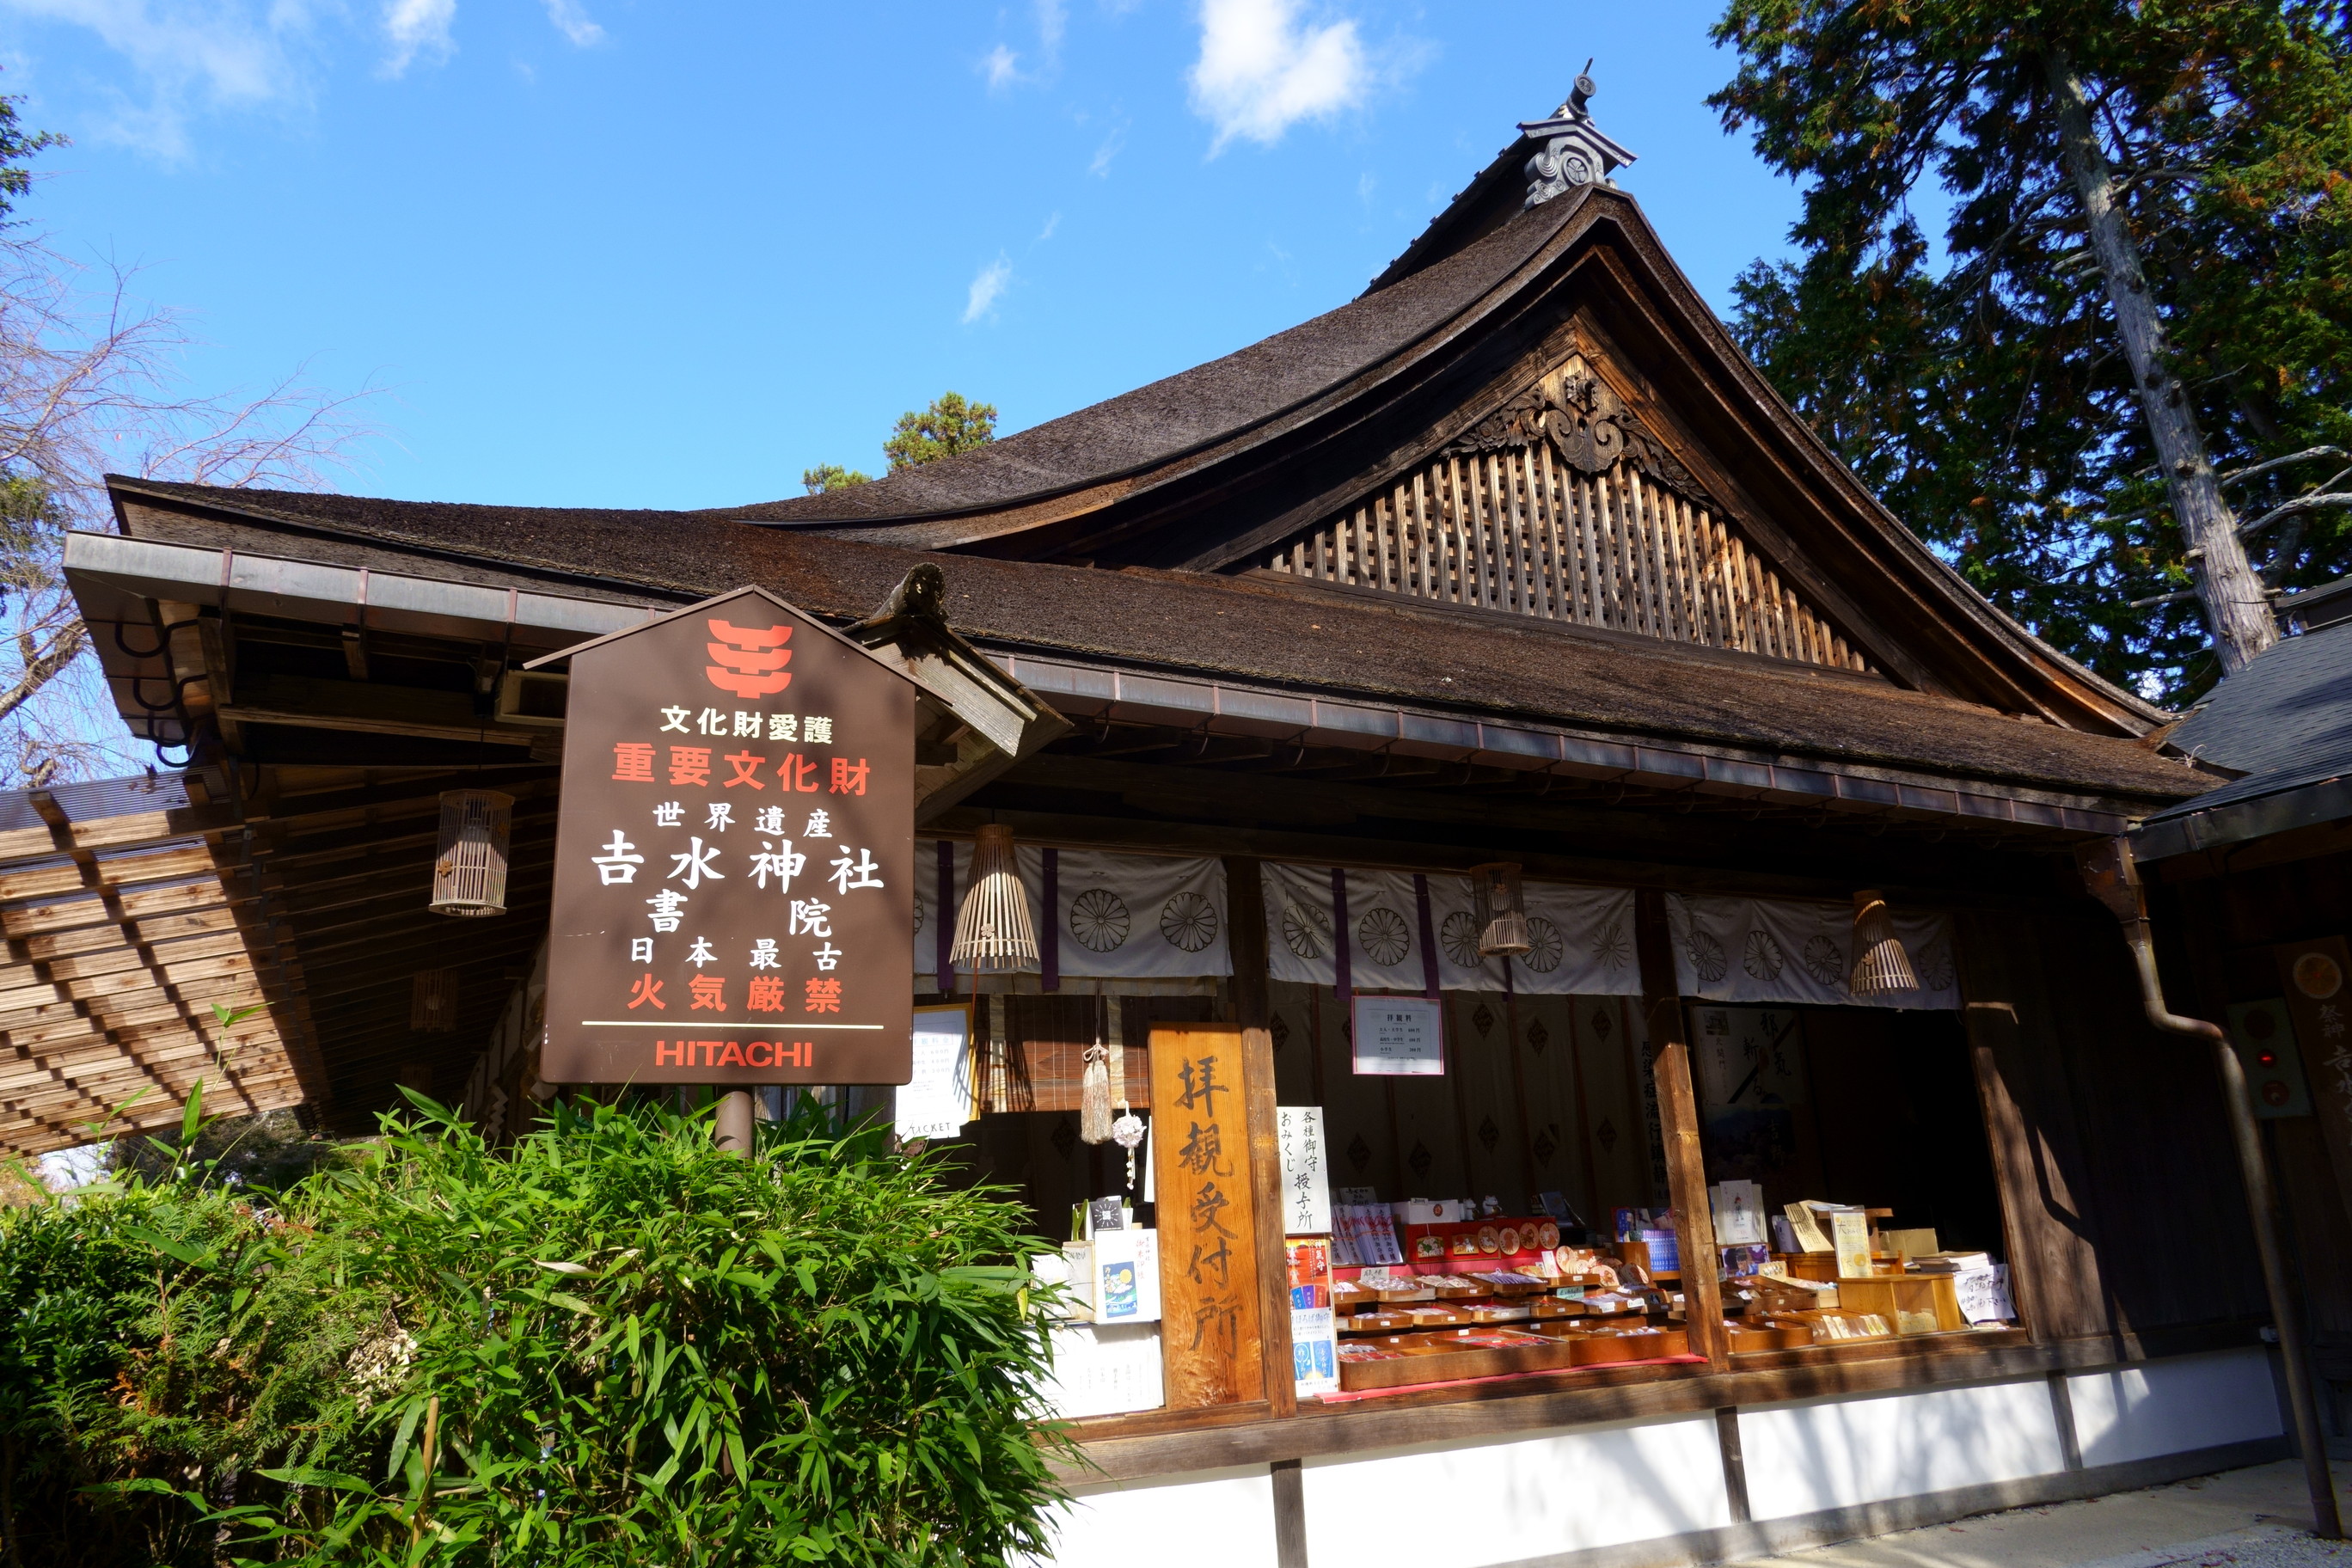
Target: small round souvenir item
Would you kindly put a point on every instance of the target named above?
(1489, 1239)
(1127, 1131)
(1510, 1238)
(1548, 1235)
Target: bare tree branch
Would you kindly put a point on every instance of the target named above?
(91, 383)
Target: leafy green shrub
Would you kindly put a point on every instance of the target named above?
(611, 1343)
(157, 1338)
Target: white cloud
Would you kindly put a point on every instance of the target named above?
(1047, 232)
(224, 53)
(1110, 149)
(417, 30)
(1002, 67)
(1261, 69)
(1053, 20)
(987, 289)
(574, 23)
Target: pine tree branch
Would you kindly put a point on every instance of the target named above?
(2300, 503)
(2234, 474)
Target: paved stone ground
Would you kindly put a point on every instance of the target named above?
(2257, 1518)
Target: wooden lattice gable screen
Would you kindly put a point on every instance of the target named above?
(1560, 505)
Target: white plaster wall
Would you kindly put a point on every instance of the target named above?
(2137, 1411)
(1468, 1505)
(1802, 1459)
(1220, 1518)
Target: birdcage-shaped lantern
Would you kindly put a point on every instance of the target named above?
(1880, 965)
(1502, 909)
(992, 933)
(469, 871)
(433, 1001)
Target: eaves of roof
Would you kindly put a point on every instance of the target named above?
(1250, 631)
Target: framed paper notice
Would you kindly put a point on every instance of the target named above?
(1398, 1037)
(937, 1101)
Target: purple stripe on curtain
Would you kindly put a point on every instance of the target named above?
(945, 924)
(1049, 944)
(1343, 977)
(1428, 937)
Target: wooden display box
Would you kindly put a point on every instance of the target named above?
(1769, 1336)
(1598, 1347)
(1442, 1358)
(1909, 1302)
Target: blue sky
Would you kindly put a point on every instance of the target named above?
(622, 254)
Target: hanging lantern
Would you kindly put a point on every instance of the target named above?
(1880, 965)
(433, 1001)
(991, 931)
(470, 872)
(1502, 909)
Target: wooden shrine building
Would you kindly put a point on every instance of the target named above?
(1513, 558)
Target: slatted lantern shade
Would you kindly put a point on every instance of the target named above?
(1502, 909)
(470, 872)
(992, 933)
(433, 1001)
(1880, 965)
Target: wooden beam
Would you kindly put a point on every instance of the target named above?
(1662, 1007)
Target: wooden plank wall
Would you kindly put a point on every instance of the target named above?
(1554, 1079)
(2125, 1212)
(1518, 530)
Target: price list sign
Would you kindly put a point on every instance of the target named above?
(734, 859)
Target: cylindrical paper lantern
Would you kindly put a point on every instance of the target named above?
(469, 873)
(1880, 965)
(1502, 909)
(993, 932)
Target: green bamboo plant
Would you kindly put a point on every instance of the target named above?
(608, 1342)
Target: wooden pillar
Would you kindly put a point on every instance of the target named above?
(1245, 938)
(1662, 1009)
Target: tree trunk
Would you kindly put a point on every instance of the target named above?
(2236, 609)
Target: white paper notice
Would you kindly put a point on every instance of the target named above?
(1984, 1294)
(1398, 1037)
(1306, 1180)
(937, 1101)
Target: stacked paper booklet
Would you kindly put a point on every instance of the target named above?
(1950, 1262)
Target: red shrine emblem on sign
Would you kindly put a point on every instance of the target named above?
(751, 661)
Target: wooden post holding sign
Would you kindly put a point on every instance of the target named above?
(735, 856)
(1211, 1307)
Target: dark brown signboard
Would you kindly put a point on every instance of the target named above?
(735, 858)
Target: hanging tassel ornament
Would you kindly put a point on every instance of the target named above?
(1128, 1133)
(1094, 1096)
(1880, 965)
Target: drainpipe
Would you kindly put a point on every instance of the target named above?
(2111, 877)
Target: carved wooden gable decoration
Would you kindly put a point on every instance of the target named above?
(1561, 506)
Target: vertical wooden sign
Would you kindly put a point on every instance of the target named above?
(1209, 1330)
(735, 856)
(2316, 976)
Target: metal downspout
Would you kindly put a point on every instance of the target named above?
(2111, 877)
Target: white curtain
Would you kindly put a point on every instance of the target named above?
(1124, 917)
(1582, 937)
(1790, 950)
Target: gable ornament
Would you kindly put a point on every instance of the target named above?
(1588, 426)
(1570, 150)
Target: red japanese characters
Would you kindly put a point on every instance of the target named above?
(748, 867)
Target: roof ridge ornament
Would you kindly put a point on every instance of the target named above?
(1572, 151)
